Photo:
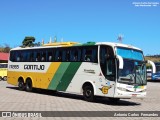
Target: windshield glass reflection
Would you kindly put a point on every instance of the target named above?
(133, 72)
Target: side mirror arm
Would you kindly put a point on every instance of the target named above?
(121, 63)
(153, 65)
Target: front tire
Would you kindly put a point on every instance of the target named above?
(88, 93)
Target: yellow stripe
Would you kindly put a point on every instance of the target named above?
(40, 80)
(50, 73)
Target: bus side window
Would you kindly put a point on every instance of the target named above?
(85, 56)
(26, 56)
(63, 55)
(90, 54)
(38, 57)
(68, 55)
(21, 56)
(43, 55)
(50, 56)
(74, 54)
(75, 58)
(12, 58)
(94, 54)
(18, 56)
(31, 59)
(58, 55)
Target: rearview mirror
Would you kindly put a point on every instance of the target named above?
(120, 61)
(153, 66)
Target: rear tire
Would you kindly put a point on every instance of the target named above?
(29, 85)
(0, 78)
(88, 93)
(21, 85)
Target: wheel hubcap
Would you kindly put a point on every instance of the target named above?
(88, 93)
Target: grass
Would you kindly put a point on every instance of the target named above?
(154, 59)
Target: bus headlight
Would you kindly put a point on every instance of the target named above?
(144, 90)
(122, 89)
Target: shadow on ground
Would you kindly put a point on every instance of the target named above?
(153, 81)
(101, 100)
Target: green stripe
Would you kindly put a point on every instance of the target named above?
(68, 76)
(89, 43)
(58, 75)
(85, 44)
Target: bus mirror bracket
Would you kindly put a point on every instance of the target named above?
(120, 61)
(153, 66)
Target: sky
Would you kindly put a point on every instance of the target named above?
(82, 21)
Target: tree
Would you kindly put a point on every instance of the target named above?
(5, 48)
(28, 41)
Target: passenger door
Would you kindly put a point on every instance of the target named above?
(108, 69)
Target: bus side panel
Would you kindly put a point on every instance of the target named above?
(12, 78)
(47, 78)
(87, 72)
(68, 76)
(90, 72)
(63, 76)
(39, 79)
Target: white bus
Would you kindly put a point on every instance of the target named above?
(106, 69)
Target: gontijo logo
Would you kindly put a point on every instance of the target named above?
(34, 67)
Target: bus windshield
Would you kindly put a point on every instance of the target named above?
(133, 71)
(130, 53)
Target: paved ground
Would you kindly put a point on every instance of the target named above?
(11, 99)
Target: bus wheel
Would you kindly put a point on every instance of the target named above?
(5, 78)
(88, 93)
(0, 78)
(28, 85)
(21, 84)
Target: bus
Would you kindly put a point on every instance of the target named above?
(107, 69)
(156, 76)
(3, 71)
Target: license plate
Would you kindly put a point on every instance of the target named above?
(134, 95)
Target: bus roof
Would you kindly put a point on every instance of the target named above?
(118, 45)
(69, 44)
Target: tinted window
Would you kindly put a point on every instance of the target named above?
(107, 62)
(62, 54)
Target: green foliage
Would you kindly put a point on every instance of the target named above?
(5, 48)
(28, 41)
(148, 66)
(153, 58)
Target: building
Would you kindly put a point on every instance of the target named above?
(4, 57)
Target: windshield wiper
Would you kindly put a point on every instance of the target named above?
(126, 80)
(131, 76)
